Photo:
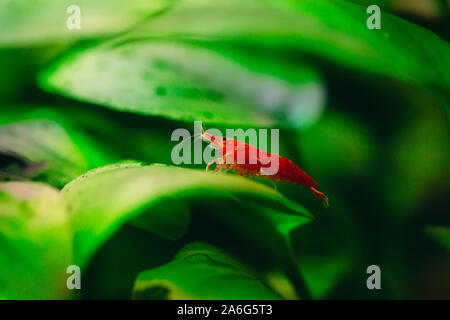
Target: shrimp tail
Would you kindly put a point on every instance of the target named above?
(321, 196)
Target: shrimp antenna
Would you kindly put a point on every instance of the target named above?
(199, 130)
(198, 134)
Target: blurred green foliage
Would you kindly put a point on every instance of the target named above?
(87, 177)
(440, 234)
(35, 241)
(200, 271)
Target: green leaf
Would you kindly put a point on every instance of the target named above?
(200, 271)
(440, 234)
(47, 150)
(322, 274)
(429, 10)
(186, 82)
(103, 199)
(75, 121)
(45, 21)
(163, 217)
(35, 241)
(285, 222)
(334, 30)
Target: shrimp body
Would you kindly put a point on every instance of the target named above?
(257, 161)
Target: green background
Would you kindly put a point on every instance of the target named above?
(86, 117)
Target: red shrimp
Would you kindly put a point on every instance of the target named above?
(287, 172)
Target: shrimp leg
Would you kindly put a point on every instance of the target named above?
(208, 167)
(220, 163)
(221, 167)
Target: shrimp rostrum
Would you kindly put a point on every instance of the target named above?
(246, 160)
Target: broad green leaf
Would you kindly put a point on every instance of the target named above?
(25, 23)
(200, 271)
(163, 217)
(35, 242)
(46, 149)
(103, 199)
(334, 30)
(75, 121)
(186, 82)
(440, 234)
